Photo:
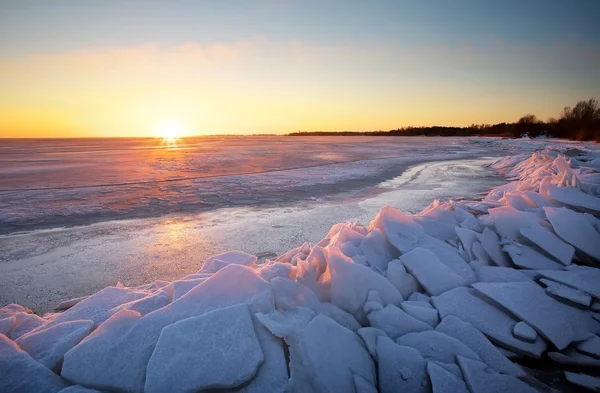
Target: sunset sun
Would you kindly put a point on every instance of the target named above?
(170, 131)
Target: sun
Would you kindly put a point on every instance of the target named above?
(170, 132)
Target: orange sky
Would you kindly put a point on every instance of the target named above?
(57, 84)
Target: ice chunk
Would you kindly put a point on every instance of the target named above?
(395, 322)
(499, 274)
(491, 245)
(286, 323)
(527, 258)
(442, 230)
(467, 238)
(519, 200)
(147, 304)
(376, 250)
(585, 381)
(575, 229)
(428, 315)
(591, 346)
(400, 369)
(437, 346)
(361, 385)
(443, 381)
(25, 323)
(79, 389)
(12, 309)
(449, 256)
(572, 357)
(67, 304)
(416, 296)
(559, 323)
(97, 307)
(433, 275)
(405, 282)
(585, 280)
(401, 230)
(524, 332)
(7, 324)
(20, 373)
(481, 255)
(116, 359)
(478, 343)
(550, 243)
(325, 356)
(351, 283)
(217, 350)
(369, 336)
(574, 197)
(48, 346)
(508, 221)
(217, 262)
(481, 380)
(567, 293)
(491, 321)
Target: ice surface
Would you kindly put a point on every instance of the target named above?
(526, 257)
(395, 322)
(20, 373)
(559, 323)
(48, 346)
(586, 381)
(567, 293)
(435, 345)
(490, 320)
(400, 369)
(325, 356)
(524, 332)
(575, 229)
(481, 380)
(443, 381)
(478, 343)
(433, 275)
(550, 243)
(218, 349)
(585, 280)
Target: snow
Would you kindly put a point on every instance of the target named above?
(225, 354)
(400, 369)
(559, 323)
(21, 373)
(480, 380)
(48, 346)
(524, 332)
(443, 381)
(550, 243)
(586, 381)
(432, 274)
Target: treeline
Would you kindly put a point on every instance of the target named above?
(581, 122)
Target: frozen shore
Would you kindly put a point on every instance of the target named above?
(448, 299)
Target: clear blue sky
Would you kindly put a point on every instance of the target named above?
(540, 55)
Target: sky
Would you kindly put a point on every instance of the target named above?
(100, 68)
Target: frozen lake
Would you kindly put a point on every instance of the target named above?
(79, 215)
